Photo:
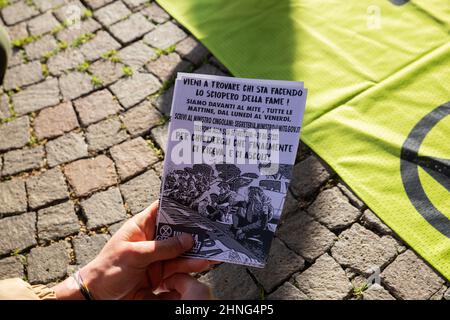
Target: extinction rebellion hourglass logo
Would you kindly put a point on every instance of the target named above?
(436, 167)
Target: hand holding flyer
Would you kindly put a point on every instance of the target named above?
(231, 149)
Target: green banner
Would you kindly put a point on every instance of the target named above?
(378, 74)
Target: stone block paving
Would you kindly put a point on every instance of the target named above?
(83, 127)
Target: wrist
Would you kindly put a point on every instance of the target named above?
(91, 276)
(68, 290)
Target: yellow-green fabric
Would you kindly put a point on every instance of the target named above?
(374, 69)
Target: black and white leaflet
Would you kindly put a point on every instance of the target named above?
(229, 159)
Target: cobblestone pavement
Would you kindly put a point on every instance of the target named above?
(83, 124)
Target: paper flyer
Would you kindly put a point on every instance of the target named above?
(231, 150)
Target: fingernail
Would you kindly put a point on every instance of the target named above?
(186, 240)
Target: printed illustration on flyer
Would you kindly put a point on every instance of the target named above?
(231, 213)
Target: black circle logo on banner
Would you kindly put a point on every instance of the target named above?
(438, 168)
(399, 2)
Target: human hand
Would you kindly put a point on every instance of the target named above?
(132, 265)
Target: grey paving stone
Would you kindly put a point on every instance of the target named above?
(116, 226)
(281, 264)
(55, 121)
(140, 84)
(305, 236)
(362, 250)
(66, 148)
(87, 247)
(358, 281)
(354, 200)
(75, 84)
(447, 294)
(47, 264)
(215, 62)
(46, 188)
(136, 54)
(17, 232)
(17, 12)
(65, 60)
(14, 134)
(57, 221)
(163, 102)
(11, 267)
(95, 4)
(131, 28)
(210, 69)
(308, 176)
(5, 111)
(37, 49)
(351, 274)
(377, 292)
(104, 208)
(370, 220)
(72, 269)
(132, 157)
(409, 278)
(90, 175)
(155, 13)
(167, 66)
(16, 58)
(70, 34)
(324, 280)
(192, 50)
(96, 106)
(37, 97)
(134, 4)
(42, 24)
(70, 11)
(105, 134)
(333, 209)
(112, 13)
(13, 197)
(22, 160)
(165, 35)
(140, 119)
(287, 292)
(160, 134)
(141, 191)
(439, 295)
(22, 75)
(290, 206)
(99, 45)
(158, 167)
(17, 31)
(107, 71)
(231, 282)
(45, 5)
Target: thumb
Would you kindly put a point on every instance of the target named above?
(148, 252)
